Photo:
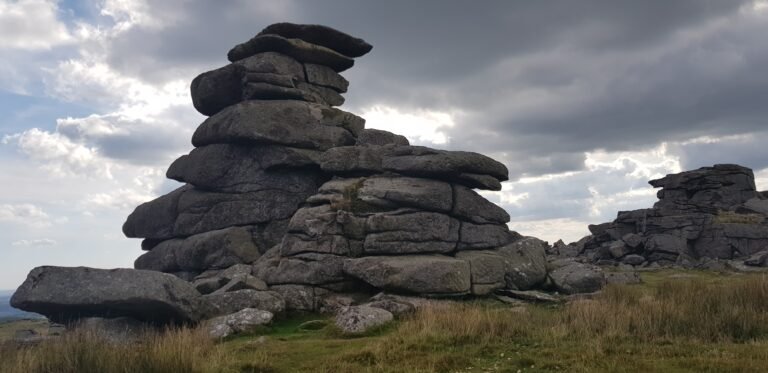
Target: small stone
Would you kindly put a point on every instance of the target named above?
(244, 321)
(530, 295)
(360, 319)
(633, 259)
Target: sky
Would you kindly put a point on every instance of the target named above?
(583, 101)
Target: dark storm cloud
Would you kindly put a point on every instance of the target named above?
(539, 83)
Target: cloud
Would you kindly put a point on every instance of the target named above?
(35, 242)
(421, 127)
(59, 155)
(31, 25)
(25, 214)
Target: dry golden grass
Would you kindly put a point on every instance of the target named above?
(176, 350)
(683, 325)
(730, 217)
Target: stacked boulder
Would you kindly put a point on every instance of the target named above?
(712, 213)
(290, 203)
(255, 160)
(342, 209)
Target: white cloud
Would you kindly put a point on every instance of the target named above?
(25, 214)
(60, 155)
(31, 25)
(423, 127)
(35, 242)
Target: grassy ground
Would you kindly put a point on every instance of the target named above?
(675, 322)
(7, 329)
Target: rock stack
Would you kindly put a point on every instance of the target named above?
(713, 213)
(340, 208)
(291, 203)
(255, 160)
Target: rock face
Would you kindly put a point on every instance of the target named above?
(67, 294)
(291, 203)
(710, 213)
(331, 207)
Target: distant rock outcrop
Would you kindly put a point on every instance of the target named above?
(713, 213)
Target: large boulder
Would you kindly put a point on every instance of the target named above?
(286, 122)
(526, 261)
(574, 278)
(214, 90)
(520, 265)
(419, 274)
(188, 211)
(233, 168)
(65, 294)
(210, 250)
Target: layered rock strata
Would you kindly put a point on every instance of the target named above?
(290, 203)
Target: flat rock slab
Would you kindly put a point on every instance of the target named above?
(286, 122)
(470, 169)
(321, 35)
(419, 274)
(299, 49)
(64, 294)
